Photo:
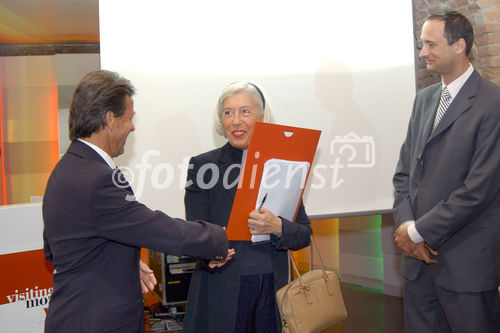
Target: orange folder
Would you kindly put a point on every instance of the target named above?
(268, 141)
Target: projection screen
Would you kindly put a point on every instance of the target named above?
(343, 67)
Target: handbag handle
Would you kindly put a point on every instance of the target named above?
(290, 258)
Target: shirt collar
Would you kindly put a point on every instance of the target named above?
(455, 86)
(102, 153)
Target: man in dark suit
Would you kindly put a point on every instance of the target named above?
(447, 186)
(94, 227)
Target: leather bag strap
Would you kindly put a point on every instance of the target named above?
(314, 247)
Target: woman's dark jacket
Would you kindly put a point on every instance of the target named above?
(213, 293)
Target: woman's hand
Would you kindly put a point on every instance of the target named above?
(148, 280)
(214, 263)
(264, 222)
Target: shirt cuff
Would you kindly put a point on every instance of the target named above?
(413, 233)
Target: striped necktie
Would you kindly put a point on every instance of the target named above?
(443, 105)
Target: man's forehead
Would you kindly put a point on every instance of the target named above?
(436, 25)
(432, 28)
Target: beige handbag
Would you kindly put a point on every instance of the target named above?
(312, 302)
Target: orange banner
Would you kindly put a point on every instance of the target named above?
(26, 277)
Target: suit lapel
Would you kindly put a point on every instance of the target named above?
(429, 119)
(430, 110)
(461, 103)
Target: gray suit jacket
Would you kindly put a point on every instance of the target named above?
(448, 181)
(93, 233)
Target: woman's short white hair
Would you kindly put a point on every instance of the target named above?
(251, 90)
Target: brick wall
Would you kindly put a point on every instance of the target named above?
(485, 18)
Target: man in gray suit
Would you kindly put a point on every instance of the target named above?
(447, 185)
(94, 227)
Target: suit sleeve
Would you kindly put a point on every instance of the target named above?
(480, 189)
(402, 207)
(132, 223)
(295, 235)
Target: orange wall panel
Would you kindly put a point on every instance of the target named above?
(30, 128)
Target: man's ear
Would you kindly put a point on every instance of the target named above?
(109, 119)
(461, 45)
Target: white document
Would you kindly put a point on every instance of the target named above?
(283, 182)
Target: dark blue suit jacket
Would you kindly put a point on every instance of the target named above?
(93, 234)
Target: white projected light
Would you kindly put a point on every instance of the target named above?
(345, 68)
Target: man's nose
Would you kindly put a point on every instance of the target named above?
(423, 52)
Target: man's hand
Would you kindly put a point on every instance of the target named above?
(217, 263)
(148, 280)
(402, 238)
(214, 263)
(421, 252)
(418, 251)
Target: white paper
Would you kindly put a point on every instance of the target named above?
(283, 182)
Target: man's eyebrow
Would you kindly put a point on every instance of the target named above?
(428, 41)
